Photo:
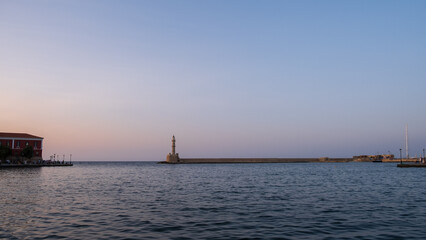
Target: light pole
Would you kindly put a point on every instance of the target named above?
(400, 155)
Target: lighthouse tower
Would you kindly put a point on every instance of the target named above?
(173, 157)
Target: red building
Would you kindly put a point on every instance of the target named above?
(18, 141)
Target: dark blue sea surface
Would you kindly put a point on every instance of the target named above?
(145, 200)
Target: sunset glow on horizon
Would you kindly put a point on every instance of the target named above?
(113, 80)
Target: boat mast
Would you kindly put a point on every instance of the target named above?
(407, 155)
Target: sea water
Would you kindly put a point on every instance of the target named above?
(145, 200)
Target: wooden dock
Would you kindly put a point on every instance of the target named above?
(411, 165)
(35, 165)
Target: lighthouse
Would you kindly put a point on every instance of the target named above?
(173, 157)
(173, 145)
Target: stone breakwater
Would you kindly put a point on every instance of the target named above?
(256, 160)
(173, 158)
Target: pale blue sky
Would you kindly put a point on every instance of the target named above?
(113, 80)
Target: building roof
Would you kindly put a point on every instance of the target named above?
(17, 135)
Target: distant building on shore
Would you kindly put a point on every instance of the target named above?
(17, 142)
(373, 158)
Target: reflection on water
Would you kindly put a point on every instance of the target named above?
(21, 192)
(147, 200)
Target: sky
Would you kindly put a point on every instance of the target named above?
(114, 80)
